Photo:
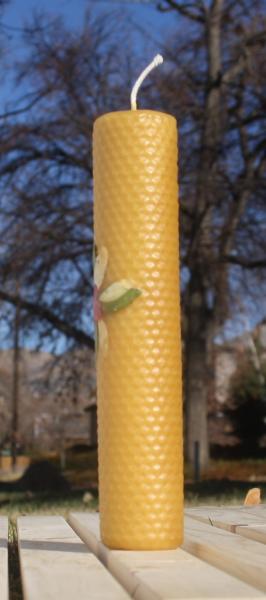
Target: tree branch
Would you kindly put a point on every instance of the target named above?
(46, 314)
(238, 67)
(245, 262)
(183, 9)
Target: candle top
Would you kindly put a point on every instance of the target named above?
(139, 115)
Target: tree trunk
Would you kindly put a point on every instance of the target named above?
(199, 316)
(196, 373)
(15, 390)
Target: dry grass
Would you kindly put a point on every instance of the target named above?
(226, 482)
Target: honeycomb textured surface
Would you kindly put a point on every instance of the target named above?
(139, 378)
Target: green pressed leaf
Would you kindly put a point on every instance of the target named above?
(126, 297)
(116, 290)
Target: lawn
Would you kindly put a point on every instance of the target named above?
(225, 483)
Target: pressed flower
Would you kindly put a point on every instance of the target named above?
(116, 296)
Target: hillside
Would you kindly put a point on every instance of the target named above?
(52, 390)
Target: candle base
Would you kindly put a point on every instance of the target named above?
(143, 534)
(144, 545)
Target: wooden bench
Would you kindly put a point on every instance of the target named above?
(223, 557)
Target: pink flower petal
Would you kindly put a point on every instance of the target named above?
(97, 311)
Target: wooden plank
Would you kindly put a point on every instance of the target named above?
(230, 552)
(166, 575)
(245, 522)
(55, 563)
(253, 532)
(259, 510)
(3, 558)
(227, 518)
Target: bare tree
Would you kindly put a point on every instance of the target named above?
(216, 89)
(214, 84)
(46, 175)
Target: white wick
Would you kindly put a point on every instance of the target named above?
(158, 60)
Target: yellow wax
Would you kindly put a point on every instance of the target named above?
(139, 372)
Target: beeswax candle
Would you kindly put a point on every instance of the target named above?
(138, 321)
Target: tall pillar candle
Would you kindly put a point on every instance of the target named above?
(138, 321)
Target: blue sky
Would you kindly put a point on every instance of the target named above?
(19, 10)
(139, 16)
(73, 10)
